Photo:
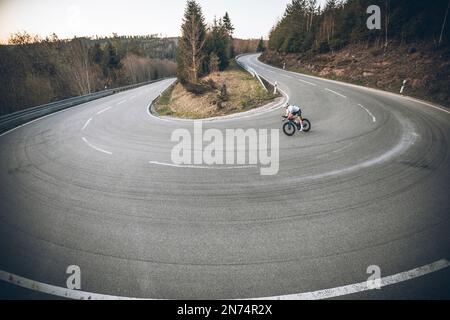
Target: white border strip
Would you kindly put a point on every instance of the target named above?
(363, 286)
(55, 290)
(314, 295)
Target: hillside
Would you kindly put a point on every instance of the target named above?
(36, 71)
(426, 70)
(406, 40)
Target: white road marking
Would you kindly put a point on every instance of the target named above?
(86, 104)
(424, 103)
(86, 124)
(355, 86)
(315, 295)
(336, 93)
(307, 82)
(408, 139)
(363, 286)
(95, 148)
(370, 113)
(242, 115)
(55, 290)
(104, 110)
(199, 167)
(121, 102)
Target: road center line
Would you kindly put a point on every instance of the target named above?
(336, 93)
(95, 148)
(307, 82)
(370, 113)
(86, 124)
(104, 110)
(121, 102)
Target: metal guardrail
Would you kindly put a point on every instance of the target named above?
(13, 120)
(250, 70)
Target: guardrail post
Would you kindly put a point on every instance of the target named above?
(403, 87)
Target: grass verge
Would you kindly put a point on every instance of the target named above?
(243, 94)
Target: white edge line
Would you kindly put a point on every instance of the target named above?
(55, 290)
(200, 167)
(359, 87)
(95, 148)
(237, 116)
(336, 93)
(370, 113)
(363, 286)
(314, 295)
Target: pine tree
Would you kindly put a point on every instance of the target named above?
(228, 25)
(261, 46)
(230, 31)
(191, 51)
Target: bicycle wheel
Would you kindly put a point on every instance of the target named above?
(306, 125)
(289, 128)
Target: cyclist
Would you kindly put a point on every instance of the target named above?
(294, 113)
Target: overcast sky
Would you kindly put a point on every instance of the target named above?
(67, 18)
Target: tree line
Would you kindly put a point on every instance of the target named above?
(35, 71)
(307, 28)
(203, 49)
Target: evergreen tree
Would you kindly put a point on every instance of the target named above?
(230, 30)
(305, 27)
(261, 46)
(191, 51)
(228, 25)
(218, 42)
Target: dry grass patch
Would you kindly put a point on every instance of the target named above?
(244, 93)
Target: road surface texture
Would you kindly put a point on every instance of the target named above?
(368, 186)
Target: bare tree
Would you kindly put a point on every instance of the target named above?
(79, 66)
(386, 22)
(443, 24)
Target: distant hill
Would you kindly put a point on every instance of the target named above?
(35, 71)
(150, 46)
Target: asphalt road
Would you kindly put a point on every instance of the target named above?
(369, 185)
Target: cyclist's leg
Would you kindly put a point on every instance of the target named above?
(299, 121)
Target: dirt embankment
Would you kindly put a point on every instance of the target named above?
(243, 93)
(426, 69)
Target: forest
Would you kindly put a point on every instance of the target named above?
(306, 28)
(35, 70)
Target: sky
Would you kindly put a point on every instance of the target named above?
(69, 18)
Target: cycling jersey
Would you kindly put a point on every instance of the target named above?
(294, 110)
